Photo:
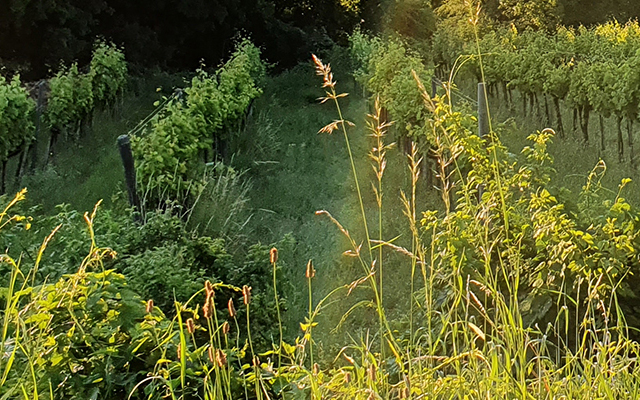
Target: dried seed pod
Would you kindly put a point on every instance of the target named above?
(210, 354)
(221, 358)
(149, 307)
(232, 309)
(311, 272)
(273, 255)
(207, 309)
(226, 328)
(316, 369)
(208, 288)
(191, 326)
(246, 294)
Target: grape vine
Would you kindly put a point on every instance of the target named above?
(171, 149)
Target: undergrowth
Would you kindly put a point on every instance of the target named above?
(511, 292)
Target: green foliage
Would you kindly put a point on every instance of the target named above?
(536, 14)
(73, 94)
(169, 165)
(85, 333)
(412, 19)
(362, 48)
(108, 72)
(71, 99)
(94, 332)
(239, 80)
(391, 78)
(16, 113)
(169, 154)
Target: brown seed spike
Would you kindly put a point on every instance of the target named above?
(221, 358)
(246, 294)
(210, 354)
(208, 288)
(191, 326)
(273, 255)
(207, 310)
(311, 272)
(316, 369)
(149, 307)
(232, 309)
(226, 328)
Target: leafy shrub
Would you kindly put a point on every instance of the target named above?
(108, 72)
(362, 48)
(71, 99)
(390, 78)
(16, 112)
(170, 166)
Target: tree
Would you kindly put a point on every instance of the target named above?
(536, 14)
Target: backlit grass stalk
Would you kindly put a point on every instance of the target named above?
(378, 128)
(331, 94)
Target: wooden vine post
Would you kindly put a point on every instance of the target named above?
(124, 145)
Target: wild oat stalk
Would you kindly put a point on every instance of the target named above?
(378, 128)
(331, 94)
(416, 247)
(369, 267)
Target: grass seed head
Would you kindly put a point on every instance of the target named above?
(208, 288)
(273, 255)
(149, 307)
(246, 294)
(371, 373)
(210, 354)
(207, 310)
(226, 328)
(316, 369)
(221, 358)
(191, 326)
(232, 309)
(311, 272)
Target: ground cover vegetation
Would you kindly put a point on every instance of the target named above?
(500, 282)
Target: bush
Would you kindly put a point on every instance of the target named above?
(108, 72)
(16, 114)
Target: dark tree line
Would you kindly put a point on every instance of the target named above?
(35, 35)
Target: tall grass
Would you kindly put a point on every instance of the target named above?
(474, 334)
